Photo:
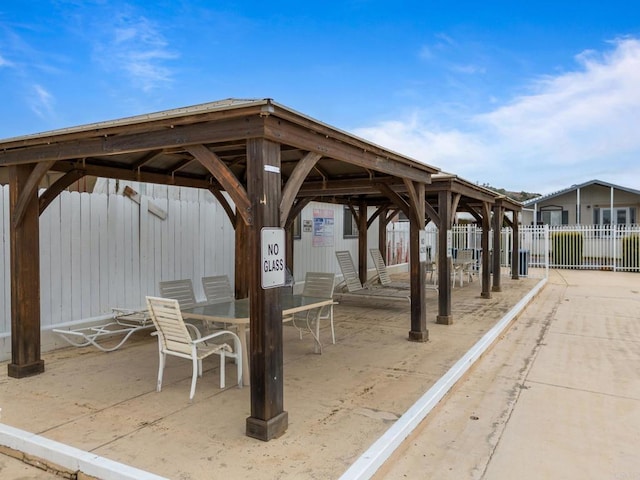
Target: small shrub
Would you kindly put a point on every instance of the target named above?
(566, 248)
(631, 252)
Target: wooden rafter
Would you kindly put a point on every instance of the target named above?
(30, 187)
(292, 186)
(226, 177)
(58, 186)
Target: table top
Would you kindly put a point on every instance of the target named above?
(237, 311)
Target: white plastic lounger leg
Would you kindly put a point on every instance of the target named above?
(161, 360)
(194, 378)
(222, 369)
(333, 332)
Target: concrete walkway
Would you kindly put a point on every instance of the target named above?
(557, 398)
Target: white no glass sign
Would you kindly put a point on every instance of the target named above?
(272, 261)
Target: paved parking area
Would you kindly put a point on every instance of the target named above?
(557, 397)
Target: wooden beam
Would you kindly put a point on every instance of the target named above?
(418, 332)
(58, 186)
(455, 199)
(29, 189)
(302, 169)
(397, 200)
(225, 205)
(285, 132)
(431, 212)
(226, 178)
(233, 129)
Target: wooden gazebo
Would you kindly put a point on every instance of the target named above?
(271, 161)
(260, 153)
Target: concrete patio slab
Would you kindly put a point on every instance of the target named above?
(338, 402)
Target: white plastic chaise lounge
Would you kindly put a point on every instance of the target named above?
(383, 274)
(174, 338)
(352, 288)
(104, 337)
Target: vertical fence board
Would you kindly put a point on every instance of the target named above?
(85, 256)
(5, 265)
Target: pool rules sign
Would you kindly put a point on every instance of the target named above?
(272, 261)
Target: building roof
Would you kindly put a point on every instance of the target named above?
(572, 188)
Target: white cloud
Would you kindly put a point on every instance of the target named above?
(41, 102)
(570, 128)
(135, 45)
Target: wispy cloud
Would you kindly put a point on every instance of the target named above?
(41, 102)
(4, 62)
(570, 127)
(134, 45)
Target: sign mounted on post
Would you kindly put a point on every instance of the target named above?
(272, 261)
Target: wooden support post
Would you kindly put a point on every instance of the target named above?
(363, 254)
(484, 243)
(418, 332)
(444, 259)
(242, 275)
(383, 222)
(497, 227)
(268, 419)
(515, 252)
(25, 276)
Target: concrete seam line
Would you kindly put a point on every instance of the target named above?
(69, 457)
(375, 456)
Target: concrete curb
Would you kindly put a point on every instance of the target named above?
(51, 455)
(372, 459)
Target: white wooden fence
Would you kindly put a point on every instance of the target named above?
(99, 251)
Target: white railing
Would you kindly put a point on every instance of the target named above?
(600, 247)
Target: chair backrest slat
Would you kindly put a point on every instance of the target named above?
(217, 289)
(381, 267)
(348, 269)
(319, 284)
(166, 316)
(180, 290)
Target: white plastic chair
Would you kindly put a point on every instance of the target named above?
(174, 339)
(320, 285)
(217, 289)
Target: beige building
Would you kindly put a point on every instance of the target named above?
(590, 203)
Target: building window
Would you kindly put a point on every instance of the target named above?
(350, 227)
(553, 216)
(297, 228)
(622, 215)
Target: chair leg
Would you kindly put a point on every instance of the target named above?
(161, 362)
(223, 365)
(333, 332)
(194, 377)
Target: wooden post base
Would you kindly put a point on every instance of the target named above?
(22, 371)
(485, 294)
(266, 430)
(496, 288)
(419, 336)
(444, 319)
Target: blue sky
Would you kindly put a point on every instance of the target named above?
(532, 96)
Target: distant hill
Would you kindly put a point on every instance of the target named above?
(517, 196)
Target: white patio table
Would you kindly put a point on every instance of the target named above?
(236, 312)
